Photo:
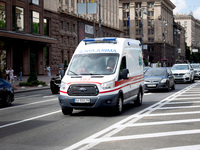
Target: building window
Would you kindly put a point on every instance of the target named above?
(2, 15)
(18, 19)
(61, 25)
(36, 2)
(150, 5)
(68, 40)
(150, 39)
(126, 23)
(150, 48)
(67, 26)
(35, 22)
(138, 5)
(62, 39)
(150, 13)
(46, 27)
(74, 41)
(126, 14)
(126, 6)
(74, 29)
(126, 32)
(138, 32)
(150, 31)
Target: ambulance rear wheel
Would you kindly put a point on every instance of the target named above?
(119, 106)
(67, 111)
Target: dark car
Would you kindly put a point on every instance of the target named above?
(56, 81)
(6, 93)
(159, 78)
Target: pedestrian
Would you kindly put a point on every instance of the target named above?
(11, 75)
(49, 71)
(7, 74)
(20, 74)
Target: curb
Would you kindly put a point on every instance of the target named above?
(33, 89)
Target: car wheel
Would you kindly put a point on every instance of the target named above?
(54, 89)
(119, 106)
(173, 87)
(168, 87)
(67, 111)
(8, 100)
(138, 101)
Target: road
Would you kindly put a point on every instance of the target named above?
(165, 120)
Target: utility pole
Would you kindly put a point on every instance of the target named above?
(99, 18)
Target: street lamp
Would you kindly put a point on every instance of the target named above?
(140, 12)
(164, 40)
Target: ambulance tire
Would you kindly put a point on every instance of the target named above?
(138, 101)
(119, 106)
(67, 111)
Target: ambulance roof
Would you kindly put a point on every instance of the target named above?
(106, 45)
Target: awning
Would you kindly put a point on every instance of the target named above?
(29, 37)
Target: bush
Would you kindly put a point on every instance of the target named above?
(32, 83)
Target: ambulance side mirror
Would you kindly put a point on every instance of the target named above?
(125, 74)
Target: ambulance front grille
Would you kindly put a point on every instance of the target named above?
(83, 90)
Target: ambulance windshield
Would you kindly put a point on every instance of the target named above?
(93, 64)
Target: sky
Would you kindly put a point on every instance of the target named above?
(187, 6)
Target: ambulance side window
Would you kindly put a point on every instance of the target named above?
(122, 66)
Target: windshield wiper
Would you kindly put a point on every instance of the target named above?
(73, 72)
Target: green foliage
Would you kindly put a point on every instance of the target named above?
(33, 74)
(187, 52)
(32, 83)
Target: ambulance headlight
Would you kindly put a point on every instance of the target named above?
(63, 86)
(108, 85)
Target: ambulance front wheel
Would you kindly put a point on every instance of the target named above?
(119, 106)
(67, 111)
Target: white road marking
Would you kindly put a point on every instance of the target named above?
(39, 102)
(193, 147)
(106, 134)
(29, 96)
(158, 123)
(172, 114)
(50, 96)
(179, 107)
(147, 93)
(185, 102)
(29, 119)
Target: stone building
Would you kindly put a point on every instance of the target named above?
(151, 22)
(23, 34)
(69, 27)
(192, 28)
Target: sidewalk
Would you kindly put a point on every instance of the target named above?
(43, 78)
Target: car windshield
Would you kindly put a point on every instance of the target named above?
(93, 64)
(156, 72)
(180, 67)
(195, 66)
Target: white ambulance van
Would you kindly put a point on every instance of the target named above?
(103, 72)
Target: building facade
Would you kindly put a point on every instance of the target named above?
(192, 28)
(69, 27)
(23, 34)
(151, 22)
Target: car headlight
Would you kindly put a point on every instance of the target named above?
(63, 86)
(187, 74)
(163, 81)
(108, 85)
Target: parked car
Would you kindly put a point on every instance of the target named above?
(159, 78)
(56, 81)
(183, 73)
(6, 93)
(196, 68)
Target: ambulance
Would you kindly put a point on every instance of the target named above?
(103, 73)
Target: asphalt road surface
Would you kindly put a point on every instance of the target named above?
(165, 121)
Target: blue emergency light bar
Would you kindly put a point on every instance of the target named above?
(99, 40)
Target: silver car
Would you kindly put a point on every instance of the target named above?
(196, 68)
(183, 73)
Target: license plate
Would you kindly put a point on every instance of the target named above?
(81, 100)
(151, 85)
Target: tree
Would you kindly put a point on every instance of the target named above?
(33, 74)
(187, 52)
